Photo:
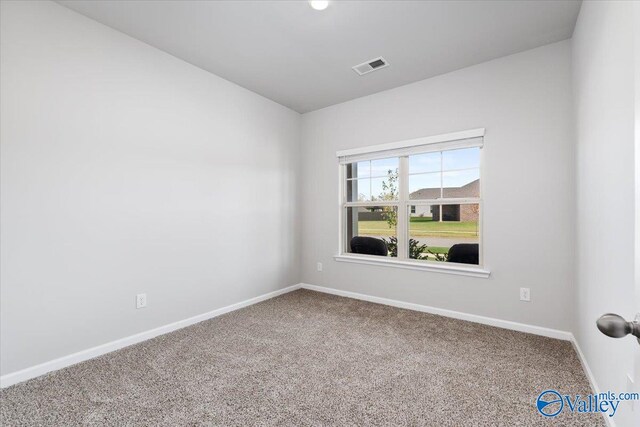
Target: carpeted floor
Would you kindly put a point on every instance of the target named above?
(307, 358)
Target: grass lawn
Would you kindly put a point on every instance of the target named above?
(438, 250)
(423, 227)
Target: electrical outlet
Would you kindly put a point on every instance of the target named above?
(319, 266)
(141, 300)
(525, 294)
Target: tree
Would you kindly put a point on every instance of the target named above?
(389, 193)
(415, 248)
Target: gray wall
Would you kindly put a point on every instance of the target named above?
(603, 71)
(524, 101)
(126, 170)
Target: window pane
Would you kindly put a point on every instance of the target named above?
(373, 168)
(371, 230)
(359, 170)
(461, 159)
(384, 188)
(384, 167)
(455, 238)
(424, 186)
(428, 162)
(461, 183)
(359, 190)
(372, 189)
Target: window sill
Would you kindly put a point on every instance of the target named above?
(458, 269)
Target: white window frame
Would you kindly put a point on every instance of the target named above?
(401, 150)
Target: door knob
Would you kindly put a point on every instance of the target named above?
(615, 326)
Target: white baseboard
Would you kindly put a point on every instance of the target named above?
(81, 356)
(506, 324)
(609, 421)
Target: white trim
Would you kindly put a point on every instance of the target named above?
(412, 150)
(402, 149)
(81, 356)
(435, 139)
(448, 268)
(505, 324)
(585, 366)
(402, 211)
(374, 204)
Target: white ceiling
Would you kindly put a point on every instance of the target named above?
(302, 58)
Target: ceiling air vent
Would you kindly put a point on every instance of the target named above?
(370, 65)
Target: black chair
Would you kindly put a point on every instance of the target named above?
(464, 253)
(368, 246)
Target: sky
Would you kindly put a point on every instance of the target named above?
(424, 171)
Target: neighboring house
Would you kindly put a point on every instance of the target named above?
(449, 212)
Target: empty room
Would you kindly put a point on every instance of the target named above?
(319, 213)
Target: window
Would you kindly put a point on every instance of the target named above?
(415, 203)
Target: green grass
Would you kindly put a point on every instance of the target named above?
(423, 227)
(438, 249)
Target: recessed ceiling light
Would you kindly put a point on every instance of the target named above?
(319, 4)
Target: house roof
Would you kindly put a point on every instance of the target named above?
(471, 189)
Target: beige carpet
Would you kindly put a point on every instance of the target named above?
(305, 359)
